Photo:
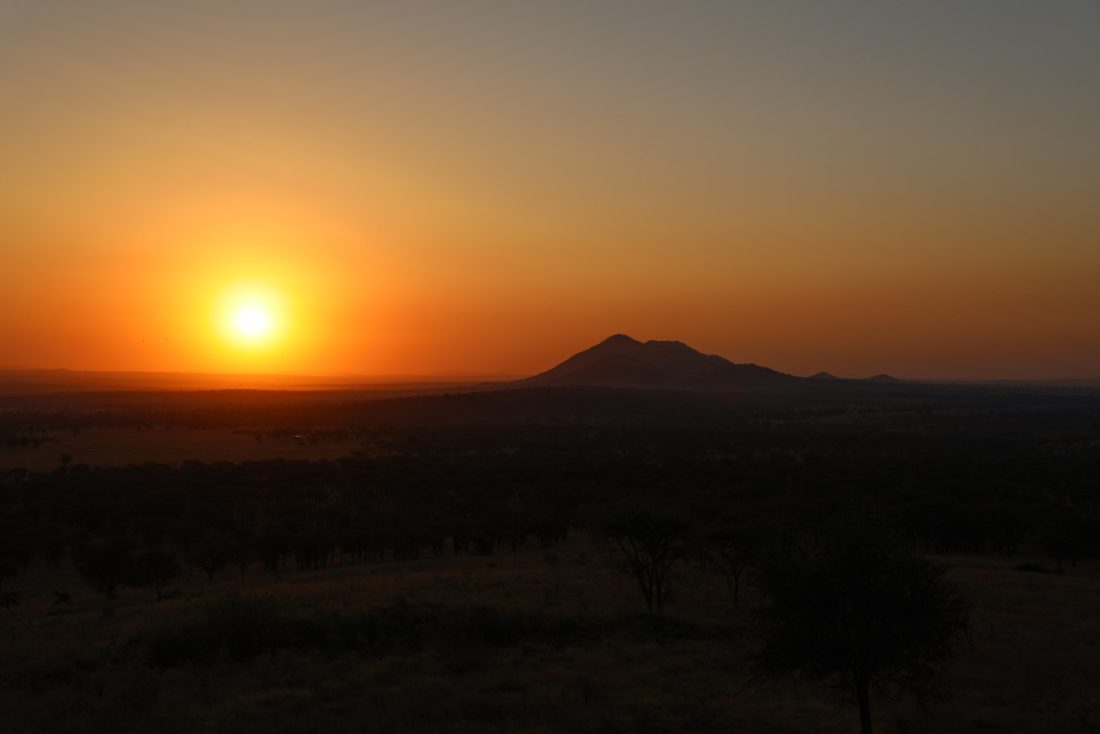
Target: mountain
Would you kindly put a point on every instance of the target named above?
(620, 361)
(884, 378)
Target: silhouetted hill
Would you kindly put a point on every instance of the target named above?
(620, 361)
(883, 378)
(824, 376)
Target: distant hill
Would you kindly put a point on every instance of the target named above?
(882, 378)
(824, 376)
(620, 361)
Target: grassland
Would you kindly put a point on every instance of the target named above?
(547, 639)
(104, 446)
(537, 641)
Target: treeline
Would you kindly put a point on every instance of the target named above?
(1028, 409)
(491, 489)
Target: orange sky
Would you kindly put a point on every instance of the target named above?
(428, 189)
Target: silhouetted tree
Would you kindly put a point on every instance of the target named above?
(729, 550)
(859, 608)
(18, 548)
(211, 554)
(158, 568)
(9, 599)
(272, 546)
(7, 571)
(243, 551)
(52, 546)
(651, 543)
(106, 565)
(1069, 536)
(550, 531)
(1009, 525)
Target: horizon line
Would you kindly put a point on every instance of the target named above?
(473, 376)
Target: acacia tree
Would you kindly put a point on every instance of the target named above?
(242, 551)
(212, 553)
(108, 564)
(158, 568)
(651, 544)
(858, 608)
(729, 550)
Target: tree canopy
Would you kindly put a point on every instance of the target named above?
(857, 607)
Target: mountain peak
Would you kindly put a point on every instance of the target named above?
(616, 339)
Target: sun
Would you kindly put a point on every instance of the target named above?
(252, 321)
(252, 316)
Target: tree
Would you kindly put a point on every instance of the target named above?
(1068, 536)
(1009, 524)
(9, 599)
(651, 544)
(107, 565)
(272, 546)
(17, 548)
(242, 551)
(729, 550)
(858, 608)
(212, 553)
(159, 568)
(7, 571)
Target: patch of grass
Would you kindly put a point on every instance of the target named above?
(239, 629)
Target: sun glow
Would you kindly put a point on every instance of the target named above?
(252, 316)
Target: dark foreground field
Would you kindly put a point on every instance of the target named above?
(445, 564)
(532, 642)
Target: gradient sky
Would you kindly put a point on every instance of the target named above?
(857, 186)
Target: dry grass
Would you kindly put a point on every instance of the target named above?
(122, 446)
(74, 667)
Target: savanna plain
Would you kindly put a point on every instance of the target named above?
(444, 563)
